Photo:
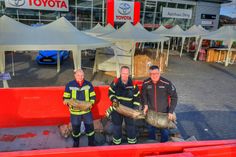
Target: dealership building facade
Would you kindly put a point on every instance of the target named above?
(85, 14)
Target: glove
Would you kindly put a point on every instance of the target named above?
(115, 103)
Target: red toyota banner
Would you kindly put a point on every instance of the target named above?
(122, 11)
(57, 5)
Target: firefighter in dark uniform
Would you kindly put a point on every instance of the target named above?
(83, 90)
(123, 90)
(160, 95)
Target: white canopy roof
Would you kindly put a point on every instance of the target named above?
(195, 31)
(99, 29)
(58, 35)
(139, 25)
(130, 33)
(160, 29)
(225, 33)
(175, 31)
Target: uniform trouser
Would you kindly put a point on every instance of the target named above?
(88, 123)
(152, 133)
(117, 120)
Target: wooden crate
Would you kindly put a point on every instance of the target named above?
(143, 58)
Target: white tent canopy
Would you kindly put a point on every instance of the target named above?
(160, 29)
(99, 30)
(225, 33)
(125, 39)
(58, 35)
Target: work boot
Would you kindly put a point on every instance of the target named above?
(76, 144)
(91, 141)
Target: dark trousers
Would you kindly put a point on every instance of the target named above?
(152, 133)
(88, 123)
(117, 121)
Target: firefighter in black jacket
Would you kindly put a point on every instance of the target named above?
(126, 93)
(160, 95)
(83, 90)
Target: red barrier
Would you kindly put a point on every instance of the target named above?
(138, 150)
(42, 106)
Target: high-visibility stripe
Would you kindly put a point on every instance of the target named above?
(111, 90)
(92, 94)
(92, 101)
(78, 112)
(116, 141)
(132, 141)
(90, 134)
(74, 94)
(66, 95)
(86, 94)
(124, 98)
(74, 135)
(111, 96)
(135, 95)
(136, 103)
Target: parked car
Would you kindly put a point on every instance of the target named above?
(50, 56)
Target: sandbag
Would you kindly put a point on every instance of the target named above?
(160, 120)
(129, 112)
(65, 130)
(78, 105)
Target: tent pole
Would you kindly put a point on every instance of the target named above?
(162, 45)
(182, 47)
(117, 63)
(198, 49)
(75, 52)
(132, 61)
(12, 63)
(228, 53)
(188, 44)
(2, 68)
(168, 52)
(58, 61)
(157, 52)
(95, 61)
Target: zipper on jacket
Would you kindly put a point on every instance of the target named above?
(155, 97)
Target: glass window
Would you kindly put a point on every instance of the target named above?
(181, 6)
(160, 5)
(172, 5)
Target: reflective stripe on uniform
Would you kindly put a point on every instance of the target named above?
(132, 141)
(66, 95)
(111, 96)
(92, 94)
(116, 141)
(90, 134)
(135, 95)
(78, 112)
(124, 98)
(111, 90)
(86, 94)
(136, 103)
(74, 94)
(74, 135)
(92, 101)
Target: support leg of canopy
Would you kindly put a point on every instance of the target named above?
(198, 49)
(228, 53)
(157, 52)
(188, 44)
(162, 45)
(117, 63)
(168, 52)
(182, 46)
(77, 58)
(12, 63)
(58, 61)
(95, 61)
(132, 59)
(2, 68)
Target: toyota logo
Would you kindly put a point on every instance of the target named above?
(16, 3)
(124, 8)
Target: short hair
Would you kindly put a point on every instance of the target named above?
(154, 67)
(78, 70)
(124, 67)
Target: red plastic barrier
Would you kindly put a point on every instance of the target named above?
(42, 106)
(138, 150)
